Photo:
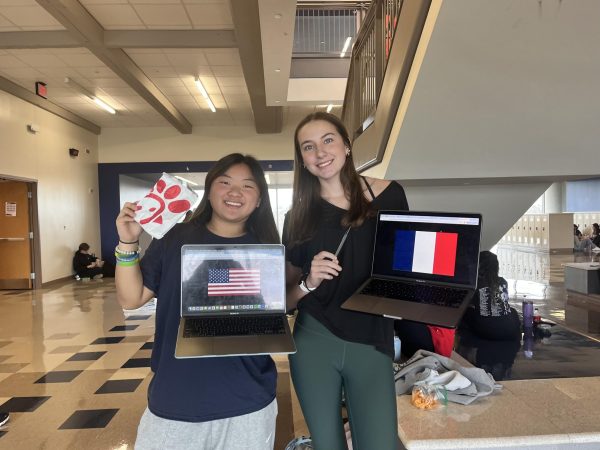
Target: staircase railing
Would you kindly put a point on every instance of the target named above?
(373, 48)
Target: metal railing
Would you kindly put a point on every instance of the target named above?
(322, 31)
(369, 60)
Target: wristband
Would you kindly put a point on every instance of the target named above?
(134, 242)
(303, 286)
(133, 262)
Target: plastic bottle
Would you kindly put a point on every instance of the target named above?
(527, 313)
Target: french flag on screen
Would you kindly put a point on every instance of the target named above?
(425, 252)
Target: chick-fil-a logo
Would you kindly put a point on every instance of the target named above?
(170, 193)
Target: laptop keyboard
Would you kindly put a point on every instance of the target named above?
(433, 295)
(233, 326)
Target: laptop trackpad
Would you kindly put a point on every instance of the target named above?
(236, 345)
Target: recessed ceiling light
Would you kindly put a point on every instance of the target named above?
(277, 101)
(202, 90)
(277, 70)
(103, 105)
(329, 108)
(278, 16)
(99, 103)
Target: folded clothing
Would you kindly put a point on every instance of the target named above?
(430, 368)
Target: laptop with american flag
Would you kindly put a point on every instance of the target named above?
(233, 301)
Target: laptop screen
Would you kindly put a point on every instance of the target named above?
(236, 279)
(439, 247)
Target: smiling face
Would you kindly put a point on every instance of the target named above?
(234, 195)
(322, 149)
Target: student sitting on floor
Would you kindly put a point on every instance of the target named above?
(490, 316)
(86, 265)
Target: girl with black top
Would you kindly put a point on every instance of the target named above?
(489, 315)
(202, 403)
(337, 349)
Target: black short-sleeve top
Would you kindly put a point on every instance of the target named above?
(355, 258)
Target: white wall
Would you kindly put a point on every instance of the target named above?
(204, 144)
(553, 199)
(67, 187)
(501, 205)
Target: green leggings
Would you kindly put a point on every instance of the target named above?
(322, 366)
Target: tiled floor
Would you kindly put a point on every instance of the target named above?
(74, 370)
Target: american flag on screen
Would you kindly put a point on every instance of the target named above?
(233, 282)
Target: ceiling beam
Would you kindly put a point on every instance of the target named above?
(123, 39)
(246, 21)
(24, 94)
(170, 39)
(38, 39)
(83, 27)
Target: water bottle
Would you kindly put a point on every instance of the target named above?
(527, 314)
(397, 346)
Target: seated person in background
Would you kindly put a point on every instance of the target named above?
(596, 234)
(489, 315)
(576, 231)
(86, 265)
(584, 244)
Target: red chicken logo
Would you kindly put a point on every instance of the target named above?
(165, 198)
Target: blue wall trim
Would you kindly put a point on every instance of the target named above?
(108, 187)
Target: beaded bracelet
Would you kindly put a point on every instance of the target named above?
(121, 257)
(127, 252)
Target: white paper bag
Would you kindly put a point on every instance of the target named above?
(164, 205)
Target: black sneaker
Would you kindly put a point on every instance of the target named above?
(4, 418)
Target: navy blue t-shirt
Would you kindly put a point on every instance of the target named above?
(197, 389)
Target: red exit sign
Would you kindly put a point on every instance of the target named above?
(41, 89)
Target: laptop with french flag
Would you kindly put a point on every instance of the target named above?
(424, 267)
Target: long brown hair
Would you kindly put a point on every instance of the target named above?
(307, 189)
(261, 222)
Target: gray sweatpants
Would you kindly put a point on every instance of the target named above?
(254, 431)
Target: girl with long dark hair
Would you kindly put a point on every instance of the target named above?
(490, 316)
(337, 350)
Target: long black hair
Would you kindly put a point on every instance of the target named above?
(307, 189)
(261, 222)
(488, 271)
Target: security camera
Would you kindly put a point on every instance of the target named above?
(33, 128)
(73, 152)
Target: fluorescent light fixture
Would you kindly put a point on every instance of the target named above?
(200, 87)
(346, 46)
(103, 105)
(211, 105)
(329, 108)
(186, 180)
(83, 91)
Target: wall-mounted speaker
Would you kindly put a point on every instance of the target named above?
(73, 152)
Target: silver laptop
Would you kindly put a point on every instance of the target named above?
(233, 301)
(424, 267)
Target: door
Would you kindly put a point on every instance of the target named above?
(15, 241)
